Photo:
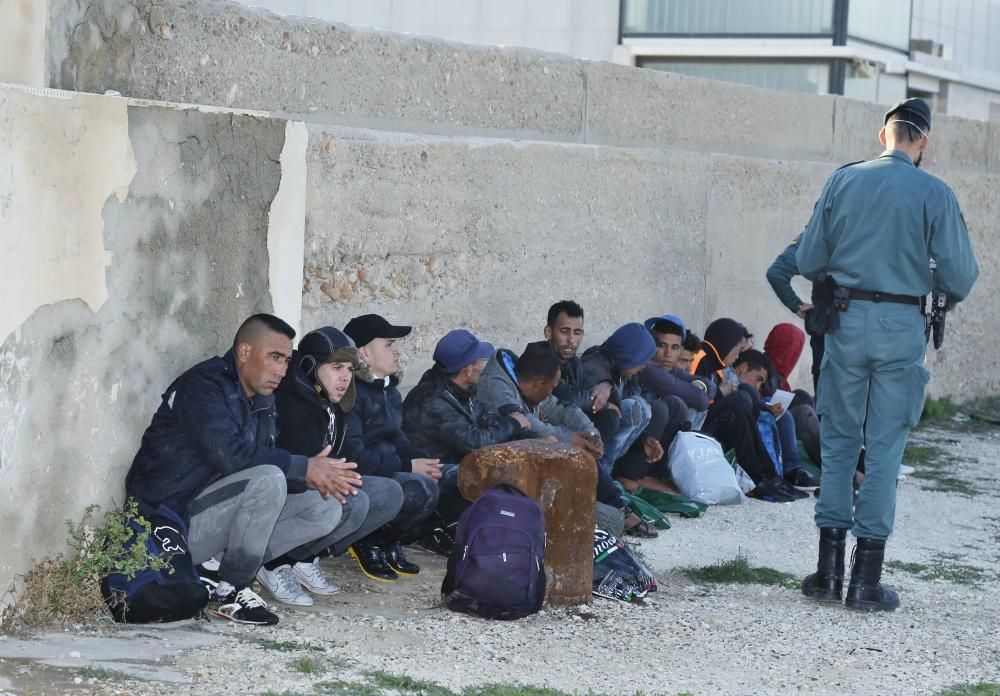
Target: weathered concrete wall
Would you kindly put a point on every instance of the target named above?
(22, 42)
(676, 192)
(149, 233)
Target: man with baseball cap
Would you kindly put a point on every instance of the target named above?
(376, 441)
(873, 233)
(441, 414)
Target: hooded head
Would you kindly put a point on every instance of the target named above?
(631, 346)
(722, 338)
(784, 347)
(327, 345)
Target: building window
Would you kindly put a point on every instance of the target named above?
(727, 17)
(883, 22)
(813, 77)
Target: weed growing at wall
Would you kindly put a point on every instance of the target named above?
(66, 588)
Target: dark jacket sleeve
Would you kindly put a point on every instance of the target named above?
(665, 383)
(463, 435)
(375, 459)
(572, 387)
(597, 368)
(780, 275)
(210, 423)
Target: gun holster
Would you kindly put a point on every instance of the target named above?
(827, 299)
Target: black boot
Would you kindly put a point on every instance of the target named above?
(371, 560)
(827, 583)
(394, 556)
(865, 593)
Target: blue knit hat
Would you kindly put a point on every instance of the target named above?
(459, 348)
(631, 345)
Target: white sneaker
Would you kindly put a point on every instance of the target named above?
(311, 576)
(906, 469)
(283, 586)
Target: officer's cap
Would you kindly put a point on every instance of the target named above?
(915, 106)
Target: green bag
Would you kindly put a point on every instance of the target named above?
(672, 502)
(647, 512)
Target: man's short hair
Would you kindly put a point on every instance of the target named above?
(567, 307)
(908, 132)
(252, 329)
(754, 360)
(692, 342)
(662, 326)
(538, 361)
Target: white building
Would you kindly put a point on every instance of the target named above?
(947, 51)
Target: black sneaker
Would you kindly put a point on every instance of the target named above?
(397, 561)
(790, 490)
(441, 541)
(208, 572)
(242, 606)
(371, 560)
(770, 491)
(801, 478)
(643, 530)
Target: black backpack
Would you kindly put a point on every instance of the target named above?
(171, 594)
(496, 567)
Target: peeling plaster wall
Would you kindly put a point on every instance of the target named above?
(632, 190)
(182, 231)
(22, 42)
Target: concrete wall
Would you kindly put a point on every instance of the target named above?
(137, 240)
(580, 28)
(22, 41)
(476, 157)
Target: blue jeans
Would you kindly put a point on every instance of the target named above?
(635, 417)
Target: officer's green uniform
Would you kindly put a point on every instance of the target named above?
(780, 275)
(875, 227)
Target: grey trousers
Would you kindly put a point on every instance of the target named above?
(382, 499)
(248, 518)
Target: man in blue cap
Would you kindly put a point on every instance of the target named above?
(441, 415)
(874, 231)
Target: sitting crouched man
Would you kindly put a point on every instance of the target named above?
(209, 455)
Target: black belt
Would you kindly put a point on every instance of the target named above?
(884, 297)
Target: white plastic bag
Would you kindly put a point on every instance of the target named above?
(699, 469)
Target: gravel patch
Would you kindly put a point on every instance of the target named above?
(688, 637)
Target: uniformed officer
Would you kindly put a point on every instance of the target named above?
(875, 229)
(780, 275)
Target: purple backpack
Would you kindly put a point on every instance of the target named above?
(496, 568)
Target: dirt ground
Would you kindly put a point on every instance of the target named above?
(689, 637)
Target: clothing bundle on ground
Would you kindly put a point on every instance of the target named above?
(699, 469)
(618, 573)
(172, 593)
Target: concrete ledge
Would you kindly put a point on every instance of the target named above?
(630, 106)
(226, 54)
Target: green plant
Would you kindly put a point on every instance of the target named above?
(408, 685)
(286, 645)
(739, 571)
(942, 567)
(66, 588)
(95, 672)
(346, 688)
(936, 410)
(977, 689)
(306, 665)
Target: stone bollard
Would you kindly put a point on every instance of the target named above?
(563, 479)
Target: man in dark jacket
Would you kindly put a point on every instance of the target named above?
(376, 441)
(441, 415)
(314, 404)
(617, 363)
(209, 454)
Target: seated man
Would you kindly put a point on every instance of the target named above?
(441, 415)
(690, 349)
(315, 400)
(209, 454)
(376, 441)
(615, 364)
(663, 377)
(563, 333)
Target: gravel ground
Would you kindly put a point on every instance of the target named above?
(688, 637)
